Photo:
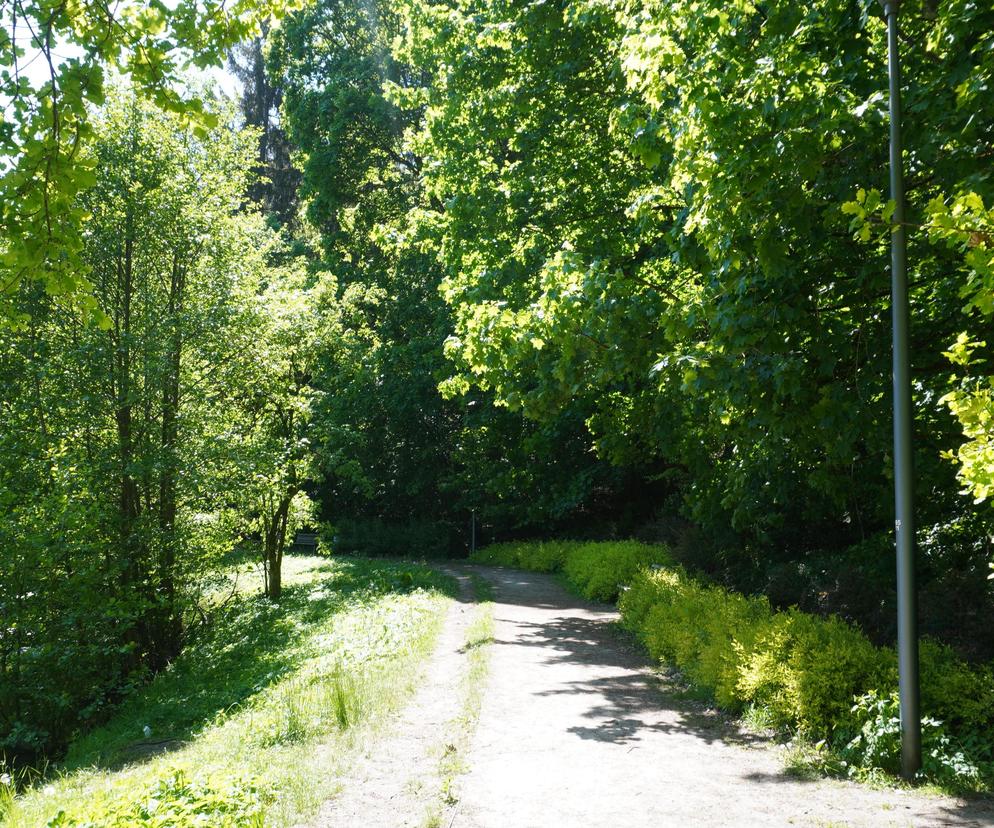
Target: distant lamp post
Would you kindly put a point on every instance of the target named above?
(904, 524)
(472, 532)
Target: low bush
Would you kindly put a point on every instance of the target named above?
(599, 570)
(177, 800)
(539, 556)
(694, 627)
(819, 677)
(596, 570)
(946, 760)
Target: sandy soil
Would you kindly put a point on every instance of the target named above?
(575, 730)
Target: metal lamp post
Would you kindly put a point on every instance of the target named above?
(904, 524)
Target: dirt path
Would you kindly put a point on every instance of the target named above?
(396, 783)
(576, 731)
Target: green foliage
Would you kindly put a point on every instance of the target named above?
(601, 570)
(801, 670)
(597, 570)
(964, 224)
(563, 263)
(389, 448)
(669, 219)
(375, 537)
(55, 61)
(132, 455)
(958, 694)
(381, 432)
(176, 800)
(972, 403)
(539, 556)
(806, 670)
(945, 760)
(273, 454)
(701, 629)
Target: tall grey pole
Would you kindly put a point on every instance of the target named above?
(904, 524)
(472, 547)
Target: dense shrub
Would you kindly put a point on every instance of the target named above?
(803, 671)
(375, 537)
(538, 556)
(806, 670)
(692, 625)
(599, 570)
(958, 694)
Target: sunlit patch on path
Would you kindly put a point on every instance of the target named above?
(576, 730)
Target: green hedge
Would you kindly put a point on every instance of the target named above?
(807, 674)
(375, 538)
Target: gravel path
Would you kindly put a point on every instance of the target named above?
(576, 731)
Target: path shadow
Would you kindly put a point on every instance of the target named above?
(634, 698)
(511, 580)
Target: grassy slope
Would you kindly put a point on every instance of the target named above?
(237, 721)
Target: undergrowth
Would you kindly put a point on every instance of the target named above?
(255, 720)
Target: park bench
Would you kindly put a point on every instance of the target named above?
(305, 542)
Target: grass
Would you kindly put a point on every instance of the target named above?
(254, 722)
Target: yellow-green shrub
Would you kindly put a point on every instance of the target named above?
(802, 669)
(699, 628)
(645, 591)
(729, 628)
(806, 670)
(958, 694)
(598, 570)
(540, 556)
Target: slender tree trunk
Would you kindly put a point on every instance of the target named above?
(275, 544)
(168, 628)
(129, 496)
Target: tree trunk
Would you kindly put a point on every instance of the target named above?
(129, 497)
(168, 630)
(275, 543)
